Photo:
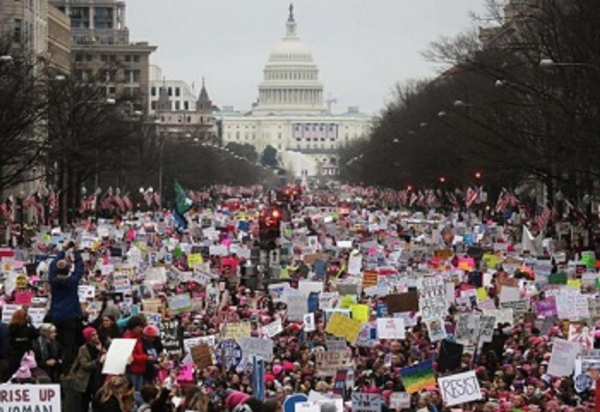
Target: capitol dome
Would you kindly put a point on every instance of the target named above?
(290, 77)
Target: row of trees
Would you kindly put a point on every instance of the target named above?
(519, 101)
(66, 133)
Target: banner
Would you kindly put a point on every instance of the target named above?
(30, 398)
(460, 388)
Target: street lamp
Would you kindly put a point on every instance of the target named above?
(548, 64)
(111, 101)
(60, 78)
(442, 179)
(477, 175)
(6, 59)
(460, 103)
(442, 114)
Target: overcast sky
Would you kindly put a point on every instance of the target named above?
(362, 47)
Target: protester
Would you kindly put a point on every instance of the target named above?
(22, 336)
(48, 352)
(116, 395)
(65, 310)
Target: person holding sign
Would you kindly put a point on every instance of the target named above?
(65, 310)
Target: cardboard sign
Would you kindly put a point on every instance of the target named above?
(366, 402)
(237, 331)
(201, 355)
(30, 398)
(297, 306)
(273, 328)
(460, 388)
(399, 400)
(403, 302)
(180, 303)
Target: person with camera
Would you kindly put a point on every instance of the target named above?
(64, 275)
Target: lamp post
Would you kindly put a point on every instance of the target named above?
(548, 64)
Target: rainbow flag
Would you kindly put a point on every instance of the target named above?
(418, 377)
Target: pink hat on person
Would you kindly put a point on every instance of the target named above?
(235, 398)
(88, 332)
(277, 369)
(151, 331)
(23, 373)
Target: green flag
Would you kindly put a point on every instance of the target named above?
(184, 203)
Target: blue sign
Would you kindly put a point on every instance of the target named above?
(313, 302)
(289, 405)
(229, 353)
(258, 378)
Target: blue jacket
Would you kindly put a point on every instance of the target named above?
(65, 300)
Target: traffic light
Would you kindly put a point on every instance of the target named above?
(269, 227)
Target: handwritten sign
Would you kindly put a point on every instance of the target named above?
(460, 388)
(366, 402)
(390, 328)
(261, 348)
(432, 298)
(562, 360)
(342, 326)
(31, 397)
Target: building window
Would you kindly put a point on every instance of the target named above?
(177, 92)
(17, 30)
(127, 58)
(104, 58)
(177, 105)
(153, 105)
(103, 17)
(80, 17)
(186, 105)
(79, 57)
(170, 91)
(189, 119)
(153, 91)
(136, 58)
(237, 135)
(133, 76)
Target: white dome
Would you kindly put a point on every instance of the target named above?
(291, 49)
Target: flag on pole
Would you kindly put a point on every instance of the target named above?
(471, 197)
(183, 201)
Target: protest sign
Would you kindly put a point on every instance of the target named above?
(20, 398)
(390, 328)
(467, 328)
(229, 354)
(582, 335)
(459, 388)
(273, 328)
(237, 330)
(37, 316)
(297, 306)
(180, 303)
(486, 328)
(328, 300)
(330, 361)
(399, 400)
(342, 326)
(309, 322)
(261, 348)
(546, 307)
(562, 360)
(436, 329)
(8, 311)
(403, 302)
(432, 298)
(201, 355)
(366, 402)
(117, 356)
(170, 337)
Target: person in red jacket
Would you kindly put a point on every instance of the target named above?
(137, 367)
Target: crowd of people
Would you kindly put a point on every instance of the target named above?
(358, 307)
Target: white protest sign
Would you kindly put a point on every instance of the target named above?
(273, 328)
(37, 316)
(86, 292)
(354, 265)
(366, 402)
(390, 328)
(399, 400)
(309, 322)
(261, 348)
(297, 306)
(460, 388)
(328, 300)
(509, 294)
(121, 284)
(432, 298)
(563, 357)
(8, 311)
(30, 398)
(307, 287)
(118, 354)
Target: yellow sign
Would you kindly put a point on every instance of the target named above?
(344, 327)
(237, 330)
(194, 259)
(491, 260)
(574, 283)
(347, 301)
(361, 313)
(482, 295)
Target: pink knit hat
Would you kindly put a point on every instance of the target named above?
(88, 332)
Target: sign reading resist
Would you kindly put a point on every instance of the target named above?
(459, 388)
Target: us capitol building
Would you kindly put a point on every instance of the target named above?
(290, 114)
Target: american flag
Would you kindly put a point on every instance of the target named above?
(52, 204)
(6, 210)
(453, 200)
(502, 202)
(471, 197)
(119, 201)
(403, 197)
(413, 199)
(127, 202)
(431, 199)
(157, 199)
(148, 197)
(543, 217)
